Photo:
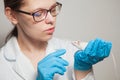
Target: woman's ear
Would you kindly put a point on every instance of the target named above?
(11, 15)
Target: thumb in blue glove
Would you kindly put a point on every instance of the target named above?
(51, 65)
(95, 51)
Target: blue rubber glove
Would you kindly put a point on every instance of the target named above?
(95, 51)
(51, 65)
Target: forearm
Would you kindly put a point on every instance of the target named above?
(81, 74)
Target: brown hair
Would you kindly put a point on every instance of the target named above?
(14, 5)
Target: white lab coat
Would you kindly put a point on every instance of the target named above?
(14, 65)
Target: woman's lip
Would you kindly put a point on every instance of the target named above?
(50, 30)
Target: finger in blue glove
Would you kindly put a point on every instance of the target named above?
(51, 65)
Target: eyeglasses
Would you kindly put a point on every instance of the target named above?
(41, 14)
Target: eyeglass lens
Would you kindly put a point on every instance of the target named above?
(41, 14)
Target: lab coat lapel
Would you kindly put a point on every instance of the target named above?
(11, 52)
(19, 68)
(20, 64)
(51, 47)
(24, 68)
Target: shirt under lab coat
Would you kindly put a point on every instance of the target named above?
(14, 65)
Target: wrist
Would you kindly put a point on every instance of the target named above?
(79, 75)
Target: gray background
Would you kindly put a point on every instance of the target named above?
(85, 20)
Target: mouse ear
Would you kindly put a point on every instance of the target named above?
(80, 45)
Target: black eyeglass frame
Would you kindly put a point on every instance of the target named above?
(32, 13)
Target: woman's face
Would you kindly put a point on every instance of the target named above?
(28, 28)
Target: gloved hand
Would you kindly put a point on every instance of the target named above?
(95, 51)
(51, 65)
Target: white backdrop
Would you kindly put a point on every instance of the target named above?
(85, 20)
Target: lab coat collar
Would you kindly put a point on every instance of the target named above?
(52, 46)
(22, 66)
(11, 49)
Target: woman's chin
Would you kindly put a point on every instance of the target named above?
(47, 38)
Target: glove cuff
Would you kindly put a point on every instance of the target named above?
(82, 68)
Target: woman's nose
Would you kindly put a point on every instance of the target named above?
(49, 18)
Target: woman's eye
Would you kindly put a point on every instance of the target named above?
(37, 14)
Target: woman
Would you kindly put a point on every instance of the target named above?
(32, 54)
